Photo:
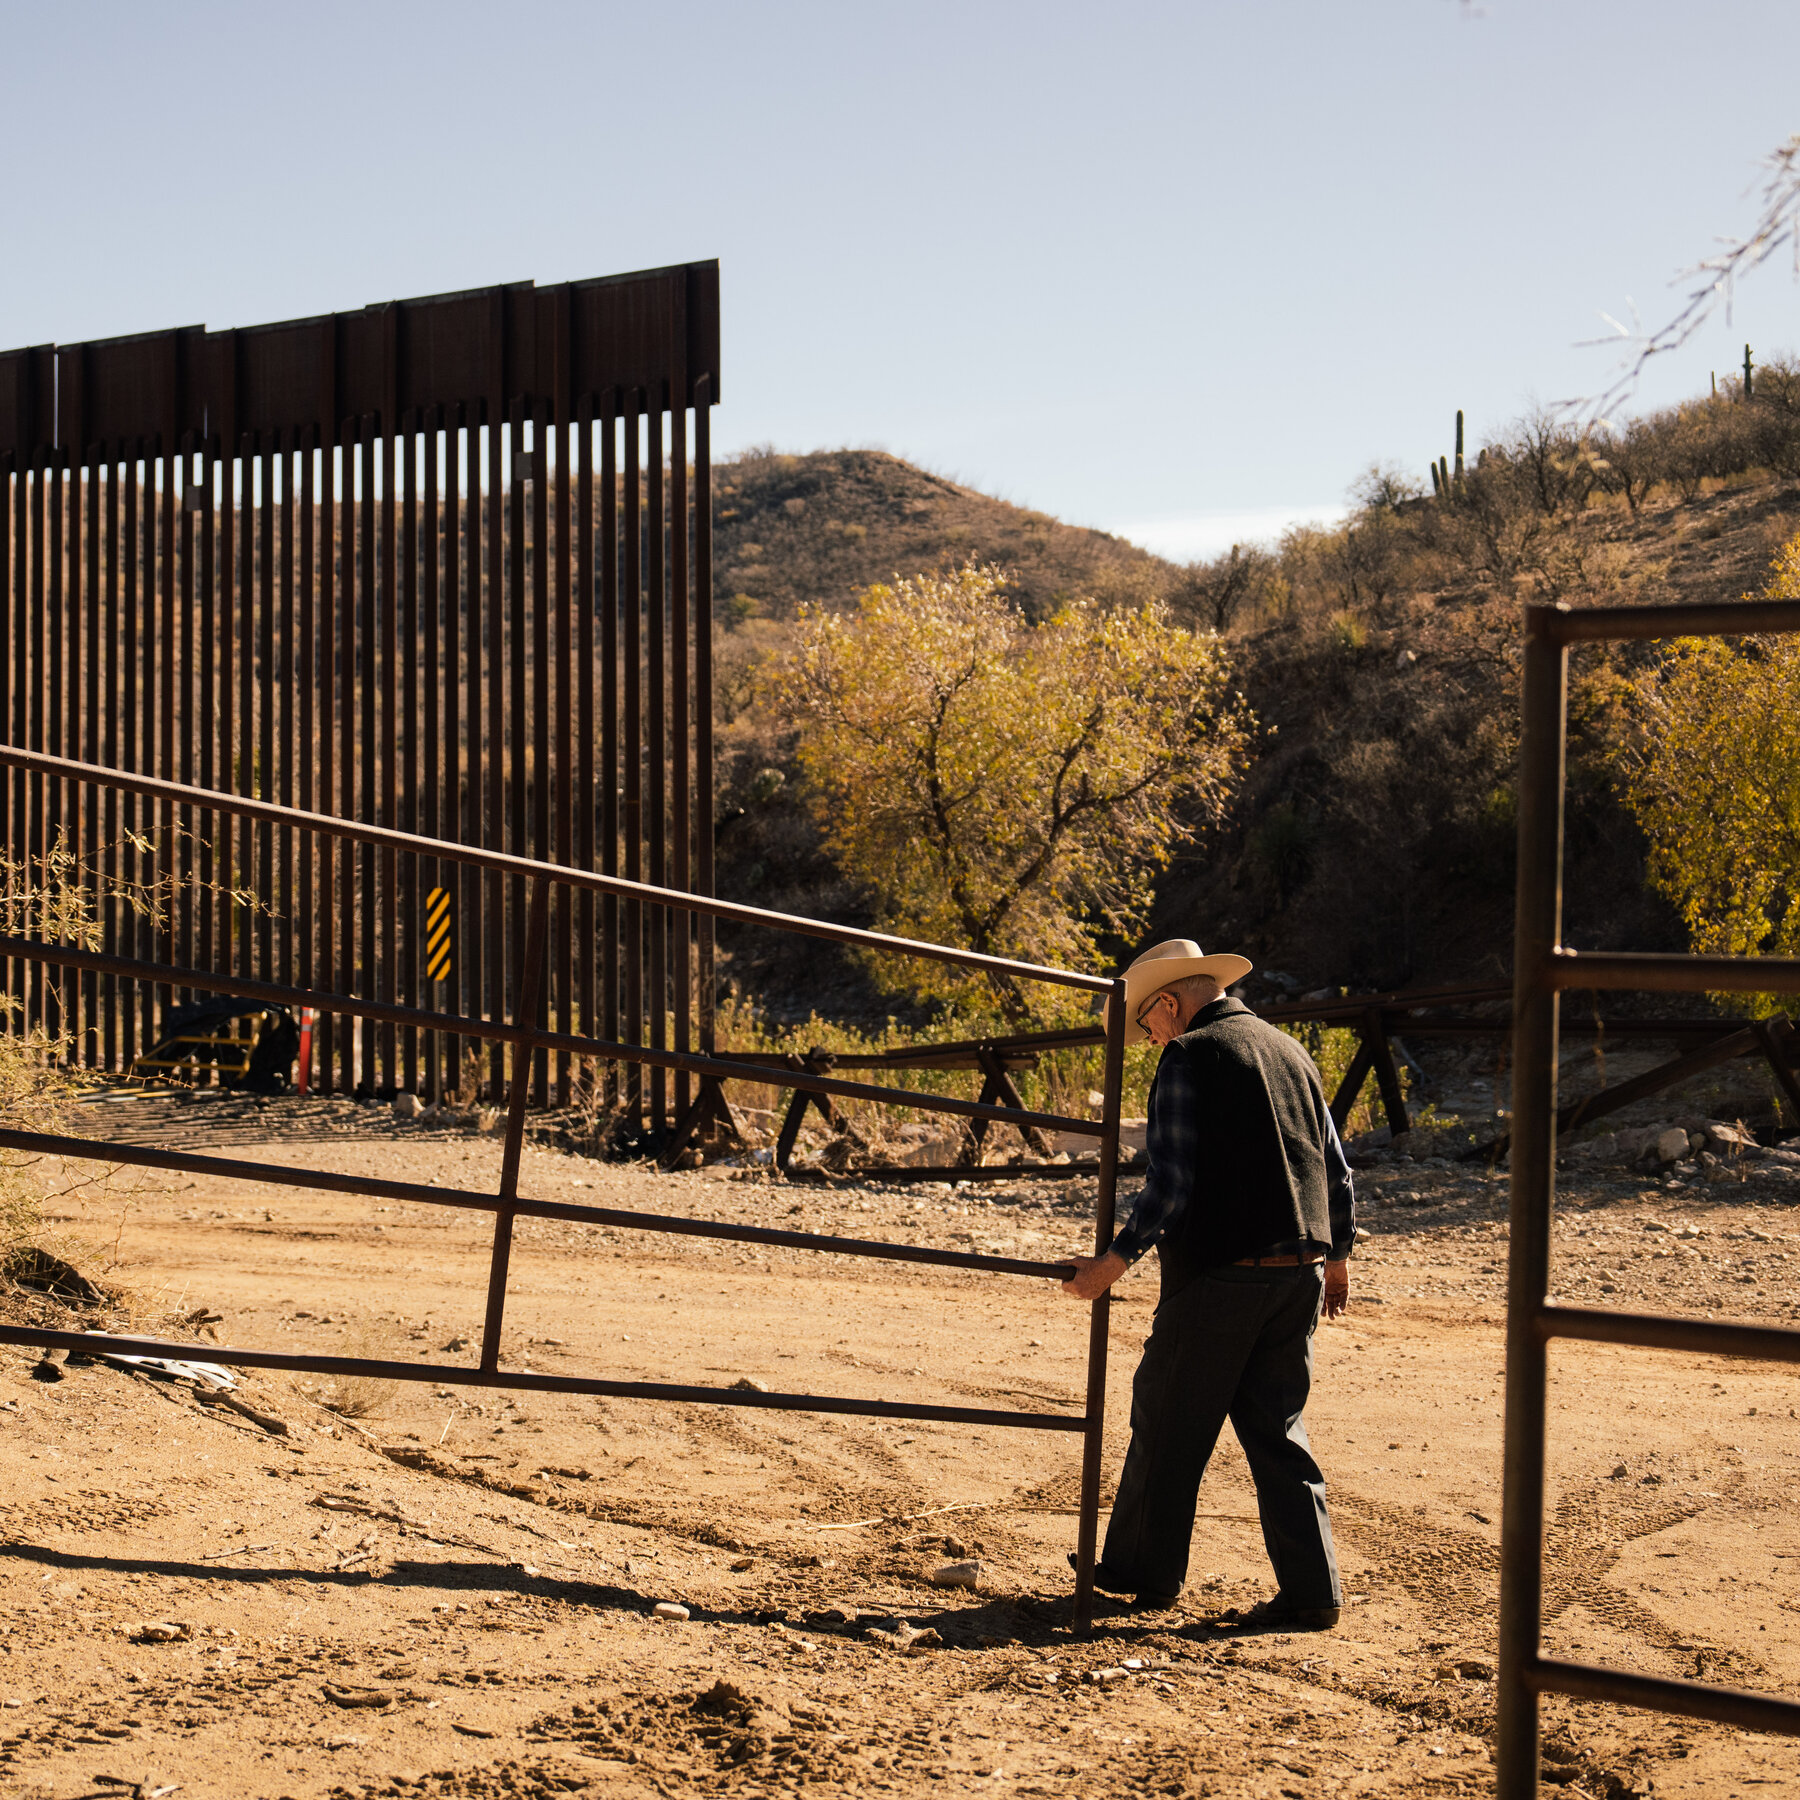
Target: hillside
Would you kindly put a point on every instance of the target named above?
(1372, 843)
(794, 530)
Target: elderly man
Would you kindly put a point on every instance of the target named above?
(1248, 1201)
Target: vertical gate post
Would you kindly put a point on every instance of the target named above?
(530, 992)
(1535, 999)
(1088, 1531)
(629, 945)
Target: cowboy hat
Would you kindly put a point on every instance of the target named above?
(1171, 961)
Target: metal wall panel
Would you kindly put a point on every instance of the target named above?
(438, 565)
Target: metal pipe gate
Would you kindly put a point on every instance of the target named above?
(526, 1030)
(1542, 971)
(442, 565)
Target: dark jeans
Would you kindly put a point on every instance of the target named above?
(1236, 1344)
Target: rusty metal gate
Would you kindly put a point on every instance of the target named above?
(524, 1026)
(1543, 970)
(441, 565)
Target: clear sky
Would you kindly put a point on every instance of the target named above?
(1178, 270)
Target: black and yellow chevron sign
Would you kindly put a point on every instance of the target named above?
(439, 938)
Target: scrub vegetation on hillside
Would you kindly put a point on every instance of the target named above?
(1369, 839)
(1714, 780)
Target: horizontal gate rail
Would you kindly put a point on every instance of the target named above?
(460, 1374)
(527, 1033)
(1543, 971)
(1021, 1046)
(900, 1174)
(224, 1168)
(501, 862)
(1610, 624)
(1667, 1331)
(1671, 973)
(1656, 1693)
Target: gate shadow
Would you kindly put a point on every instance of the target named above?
(1026, 1619)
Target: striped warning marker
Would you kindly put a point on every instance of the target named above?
(438, 936)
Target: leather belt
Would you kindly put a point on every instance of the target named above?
(1276, 1262)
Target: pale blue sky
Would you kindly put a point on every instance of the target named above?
(1176, 270)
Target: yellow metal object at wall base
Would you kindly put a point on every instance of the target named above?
(438, 934)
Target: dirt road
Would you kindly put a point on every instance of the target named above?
(454, 1595)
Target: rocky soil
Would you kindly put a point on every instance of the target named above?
(455, 1591)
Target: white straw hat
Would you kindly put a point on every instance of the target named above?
(1167, 962)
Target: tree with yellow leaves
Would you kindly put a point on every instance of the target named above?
(1007, 786)
(1714, 781)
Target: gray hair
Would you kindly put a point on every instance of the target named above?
(1203, 988)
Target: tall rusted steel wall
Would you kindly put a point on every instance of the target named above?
(444, 565)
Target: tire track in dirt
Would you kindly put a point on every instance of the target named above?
(1594, 1522)
(1454, 1575)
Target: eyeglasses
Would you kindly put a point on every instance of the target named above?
(1151, 1005)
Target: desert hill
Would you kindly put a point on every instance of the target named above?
(793, 530)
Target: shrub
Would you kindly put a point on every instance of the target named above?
(1008, 787)
(364, 1396)
(1632, 462)
(1774, 422)
(1556, 463)
(1213, 595)
(1281, 845)
(1714, 780)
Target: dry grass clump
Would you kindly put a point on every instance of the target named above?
(365, 1396)
(43, 898)
(34, 1096)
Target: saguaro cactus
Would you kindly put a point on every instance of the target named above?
(1441, 473)
(1749, 372)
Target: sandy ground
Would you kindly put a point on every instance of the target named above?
(454, 1594)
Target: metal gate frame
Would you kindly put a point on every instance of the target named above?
(1542, 971)
(527, 1034)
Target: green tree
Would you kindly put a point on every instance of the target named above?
(1009, 787)
(1714, 780)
